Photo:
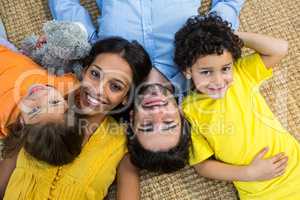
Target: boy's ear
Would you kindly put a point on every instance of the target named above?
(188, 73)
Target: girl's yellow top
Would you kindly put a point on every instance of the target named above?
(88, 177)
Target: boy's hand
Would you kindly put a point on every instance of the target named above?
(264, 169)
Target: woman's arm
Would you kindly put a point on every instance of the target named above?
(272, 50)
(7, 166)
(259, 169)
(128, 185)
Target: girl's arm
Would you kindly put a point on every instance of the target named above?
(7, 166)
(128, 184)
(272, 50)
(259, 169)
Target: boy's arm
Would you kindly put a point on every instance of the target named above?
(128, 184)
(272, 50)
(7, 166)
(259, 169)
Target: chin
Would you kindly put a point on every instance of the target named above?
(216, 96)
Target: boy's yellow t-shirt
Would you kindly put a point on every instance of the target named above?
(235, 128)
(88, 177)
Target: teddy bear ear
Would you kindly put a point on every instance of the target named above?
(50, 26)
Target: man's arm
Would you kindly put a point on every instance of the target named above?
(272, 50)
(259, 169)
(71, 10)
(128, 185)
(228, 10)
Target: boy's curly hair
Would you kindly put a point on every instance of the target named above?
(205, 35)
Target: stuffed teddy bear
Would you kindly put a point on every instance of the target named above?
(62, 47)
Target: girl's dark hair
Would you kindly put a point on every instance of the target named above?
(132, 52)
(51, 142)
(162, 161)
(204, 35)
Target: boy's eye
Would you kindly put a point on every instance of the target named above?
(206, 73)
(226, 69)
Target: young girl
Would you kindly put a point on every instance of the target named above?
(230, 119)
(31, 100)
(113, 67)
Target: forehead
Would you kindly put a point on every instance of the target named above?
(214, 60)
(113, 63)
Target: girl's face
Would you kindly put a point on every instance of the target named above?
(212, 74)
(42, 103)
(105, 84)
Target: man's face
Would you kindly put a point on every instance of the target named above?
(156, 118)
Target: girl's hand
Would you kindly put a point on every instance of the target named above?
(261, 169)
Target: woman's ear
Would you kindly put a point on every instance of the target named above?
(125, 101)
(188, 73)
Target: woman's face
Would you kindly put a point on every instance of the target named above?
(105, 84)
(42, 103)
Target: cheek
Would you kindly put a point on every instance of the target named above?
(200, 81)
(228, 78)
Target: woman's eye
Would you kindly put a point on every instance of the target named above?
(95, 74)
(115, 87)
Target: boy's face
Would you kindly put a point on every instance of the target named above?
(212, 74)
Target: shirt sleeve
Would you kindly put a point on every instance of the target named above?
(200, 150)
(253, 66)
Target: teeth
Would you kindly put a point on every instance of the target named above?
(93, 100)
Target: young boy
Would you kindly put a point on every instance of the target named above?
(230, 119)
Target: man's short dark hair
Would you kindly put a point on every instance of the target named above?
(160, 161)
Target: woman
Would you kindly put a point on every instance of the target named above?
(112, 68)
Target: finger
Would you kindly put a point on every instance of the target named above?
(281, 161)
(262, 153)
(277, 157)
(279, 173)
(282, 166)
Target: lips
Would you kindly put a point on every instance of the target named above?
(217, 89)
(35, 89)
(153, 101)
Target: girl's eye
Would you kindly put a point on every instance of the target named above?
(34, 110)
(54, 102)
(206, 73)
(115, 87)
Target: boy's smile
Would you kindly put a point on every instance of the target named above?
(212, 74)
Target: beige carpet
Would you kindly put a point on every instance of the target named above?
(279, 18)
